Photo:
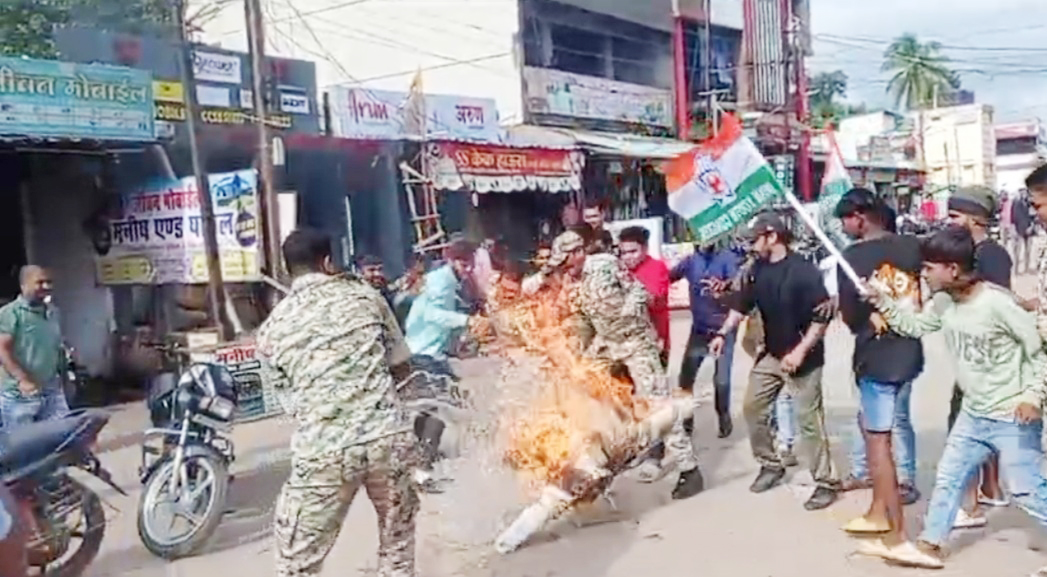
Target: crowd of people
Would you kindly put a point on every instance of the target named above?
(351, 433)
(336, 346)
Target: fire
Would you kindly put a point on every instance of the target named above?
(576, 401)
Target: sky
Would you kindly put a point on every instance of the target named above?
(999, 48)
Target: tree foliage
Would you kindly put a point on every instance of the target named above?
(826, 109)
(826, 87)
(26, 26)
(919, 72)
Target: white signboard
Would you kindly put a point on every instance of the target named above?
(212, 96)
(293, 103)
(549, 91)
(367, 114)
(211, 67)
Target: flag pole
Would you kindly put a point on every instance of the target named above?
(824, 239)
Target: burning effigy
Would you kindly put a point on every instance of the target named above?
(581, 427)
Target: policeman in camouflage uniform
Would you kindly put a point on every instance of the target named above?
(606, 297)
(328, 348)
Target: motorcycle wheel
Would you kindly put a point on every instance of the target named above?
(91, 535)
(209, 484)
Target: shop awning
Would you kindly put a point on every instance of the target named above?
(498, 168)
(609, 143)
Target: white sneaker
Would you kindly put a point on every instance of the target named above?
(649, 471)
(909, 555)
(990, 502)
(964, 520)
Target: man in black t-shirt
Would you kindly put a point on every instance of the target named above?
(885, 363)
(972, 208)
(789, 293)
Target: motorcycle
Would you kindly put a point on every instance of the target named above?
(56, 509)
(187, 476)
(73, 377)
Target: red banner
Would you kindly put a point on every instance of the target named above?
(483, 168)
(505, 161)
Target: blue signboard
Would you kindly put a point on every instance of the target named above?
(47, 98)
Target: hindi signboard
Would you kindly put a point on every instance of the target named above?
(158, 235)
(365, 114)
(485, 168)
(254, 400)
(548, 91)
(47, 98)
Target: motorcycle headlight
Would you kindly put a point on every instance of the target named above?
(219, 407)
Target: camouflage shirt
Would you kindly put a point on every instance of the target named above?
(327, 348)
(612, 301)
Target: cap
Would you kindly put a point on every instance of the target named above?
(564, 245)
(764, 223)
(979, 201)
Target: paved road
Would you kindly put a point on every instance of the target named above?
(725, 532)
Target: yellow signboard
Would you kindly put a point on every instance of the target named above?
(168, 92)
(170, 112)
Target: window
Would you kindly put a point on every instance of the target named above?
(1016, 146)
(579, 51)
(635, 61)
(532, 42)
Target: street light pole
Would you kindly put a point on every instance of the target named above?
(216, 288)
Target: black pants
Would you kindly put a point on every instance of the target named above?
(696, 352)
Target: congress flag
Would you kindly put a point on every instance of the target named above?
(835, 184)
(720, 184)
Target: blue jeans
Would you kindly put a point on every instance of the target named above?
(6, 516)
(18, 409)
(785, 418)
(903, 435)
(970, 443)
(697, 350)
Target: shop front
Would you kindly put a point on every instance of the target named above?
(515, 194)
(407, 216)
(74, 135)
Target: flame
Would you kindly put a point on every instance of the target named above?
(576, 397)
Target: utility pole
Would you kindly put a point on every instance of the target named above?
(707, 65)
(266, 173)
(216, 288)
(682, 98)
(795, 43)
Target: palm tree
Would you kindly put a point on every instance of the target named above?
(920, 71)
(825, 88)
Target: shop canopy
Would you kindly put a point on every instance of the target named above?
(486, 168)
(605, 143)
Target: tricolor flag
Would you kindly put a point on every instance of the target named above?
(720, 184)
(835, 184)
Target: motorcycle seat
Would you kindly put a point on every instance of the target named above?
(25, 445)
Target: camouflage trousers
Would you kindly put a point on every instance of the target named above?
(316, 498)
(643, 359)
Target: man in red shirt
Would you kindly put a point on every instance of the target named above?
(653, 274)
